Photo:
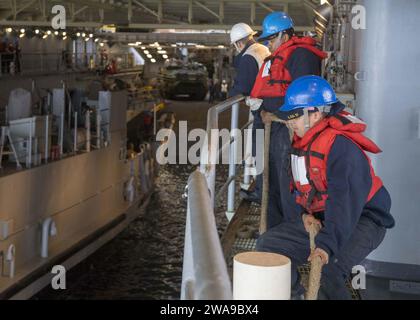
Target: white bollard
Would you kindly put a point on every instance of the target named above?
(261, 276)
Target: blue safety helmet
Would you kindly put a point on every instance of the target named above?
(274, 23)
(308, 92)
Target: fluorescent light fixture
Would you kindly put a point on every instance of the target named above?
(173, 45)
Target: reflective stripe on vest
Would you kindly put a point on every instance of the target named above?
(310, 156)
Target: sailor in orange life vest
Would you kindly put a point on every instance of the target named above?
(291, 58)
(335, 185)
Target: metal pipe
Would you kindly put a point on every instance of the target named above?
(2, 142)
(69, 109)
(231, 140)
(29, 154)
(248, 159)
(10, 257)
(147, 167)
(36, 153)
(48, 229)
(209, 153)
(154, 119)
(142, 170)
(205, 276)
(87, 126)
(188, 281)
(61, 134)
(225, 105)
(232, 161)
(98, 129)
(75, 133)
(46, 138)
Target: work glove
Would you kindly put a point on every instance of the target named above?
(253, 103)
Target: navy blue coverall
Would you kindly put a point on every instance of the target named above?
(302, 62)
(352, 228)
(246, 72)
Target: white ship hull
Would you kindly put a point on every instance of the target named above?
(85, 195)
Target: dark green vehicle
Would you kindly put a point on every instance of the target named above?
(178, 80)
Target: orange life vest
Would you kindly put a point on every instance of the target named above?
(273, 78)
(310, 156)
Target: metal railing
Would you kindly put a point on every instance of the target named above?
(30, 139)
(47, 63)
(205, 274)
(211, 150)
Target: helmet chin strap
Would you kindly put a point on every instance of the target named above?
(324, 109)
(236, 47)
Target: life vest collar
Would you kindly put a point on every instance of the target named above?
(297, 41)
(347, 125)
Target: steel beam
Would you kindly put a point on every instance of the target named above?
(204, 7)
(190, 11)
(200, 26)
(253, 10)
(144, 7)
(221, 11)
(264, 6)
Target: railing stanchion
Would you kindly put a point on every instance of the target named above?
(75, 133)
(46, 151)
(205, 274)
(232, 161)
(248, 157)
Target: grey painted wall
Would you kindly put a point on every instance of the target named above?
(389, 100)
